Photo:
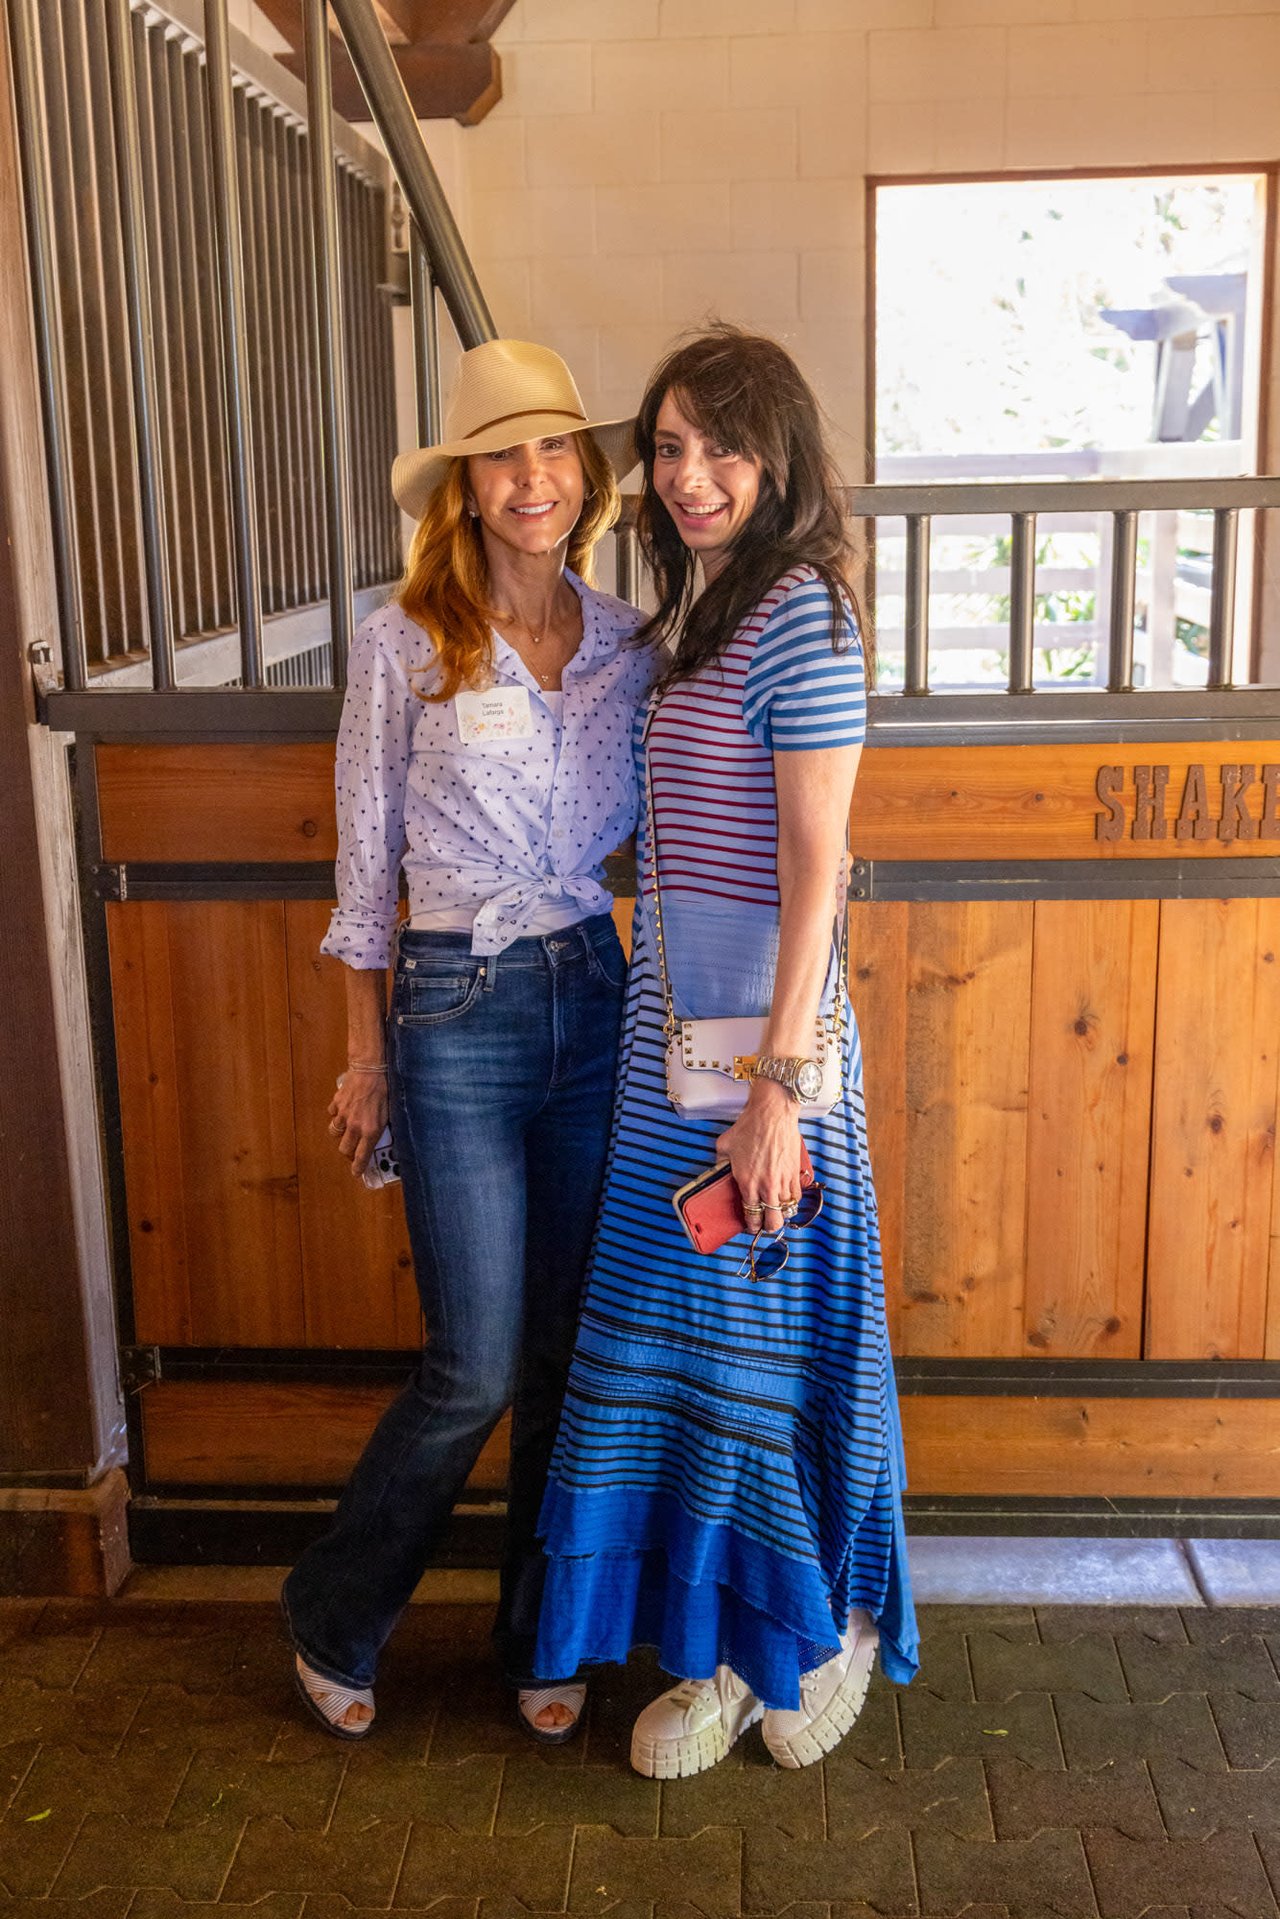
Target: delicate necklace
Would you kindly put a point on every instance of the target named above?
(509, 619)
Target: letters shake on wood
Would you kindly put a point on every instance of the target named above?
(1223, 803)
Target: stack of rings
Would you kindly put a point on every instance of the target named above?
(788, 1207)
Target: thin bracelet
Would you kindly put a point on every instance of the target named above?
(366, 1066)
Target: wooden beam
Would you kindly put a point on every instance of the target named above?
(454, 22)
(444, 82)
(440, 46)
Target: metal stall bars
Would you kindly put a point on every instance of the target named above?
(1120, 500)
(209, 460)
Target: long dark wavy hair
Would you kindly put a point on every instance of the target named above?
(746, 392)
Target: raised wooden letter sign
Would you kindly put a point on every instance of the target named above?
(1226, 803)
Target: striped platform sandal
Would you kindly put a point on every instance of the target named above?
(329, 1702)
(530, 1701)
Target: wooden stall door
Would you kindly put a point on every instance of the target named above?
(1071, 1102)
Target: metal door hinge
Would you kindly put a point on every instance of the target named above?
(139, 1367)
(110, 882)
(861, 880)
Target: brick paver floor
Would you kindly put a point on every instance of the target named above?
(1085, 1763)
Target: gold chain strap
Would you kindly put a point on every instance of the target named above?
(670, 1023)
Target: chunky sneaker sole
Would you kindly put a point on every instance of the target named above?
(807, 1744)
(681, 1755)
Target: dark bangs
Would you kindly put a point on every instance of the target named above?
(747, 393)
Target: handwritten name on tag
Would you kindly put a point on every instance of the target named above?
(499, 713)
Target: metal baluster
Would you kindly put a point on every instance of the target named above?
(426, 341)
(226, 218)
(627, 561)
(333, 390)
(201, 406)
(1124, 586)
(94, 191)
(1022, 602)
(1222, 596)
(34, 146)
(155, 543)
(916, 617)
(396, 121)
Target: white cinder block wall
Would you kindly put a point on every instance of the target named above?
(652, 161)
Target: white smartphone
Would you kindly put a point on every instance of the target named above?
(383, 1168)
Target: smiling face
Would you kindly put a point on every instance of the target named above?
(709, 490)
(529, 497)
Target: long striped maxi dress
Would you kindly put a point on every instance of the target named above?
(728, 1474)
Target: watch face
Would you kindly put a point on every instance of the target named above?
(809, 1079)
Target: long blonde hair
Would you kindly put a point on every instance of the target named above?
(445, 587)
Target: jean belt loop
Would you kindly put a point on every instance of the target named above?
(489, 971)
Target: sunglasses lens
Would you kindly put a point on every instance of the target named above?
(810, 1205)
(768, 1259)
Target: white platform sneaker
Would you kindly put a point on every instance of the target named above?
(692, 1726)
(831, 1697)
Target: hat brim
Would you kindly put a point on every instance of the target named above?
(416, 475)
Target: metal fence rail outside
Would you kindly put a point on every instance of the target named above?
(920, 505)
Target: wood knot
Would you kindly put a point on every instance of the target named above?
(1216, 1122)
(309, 829)
(1082, 1026)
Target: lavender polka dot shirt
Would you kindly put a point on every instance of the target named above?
(503, 833)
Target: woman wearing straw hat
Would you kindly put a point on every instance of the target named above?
(484, 752)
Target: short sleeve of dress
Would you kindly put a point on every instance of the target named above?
(806, 685)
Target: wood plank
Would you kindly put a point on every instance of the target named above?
(232, 802)
(1213, 1129)
(969, 986)
(877, 977)
(357, 1269)
(231, 1021)
(1271, 1337)
(1040, 802)
(150, 1120)
(1093, 1448)
(1092, 1026)
(275, 802)
(242, 1433)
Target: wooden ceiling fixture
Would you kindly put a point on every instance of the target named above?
(440, 46)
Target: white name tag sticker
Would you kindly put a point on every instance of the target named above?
(499, 713)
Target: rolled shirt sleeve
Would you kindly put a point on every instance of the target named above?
(374, 742)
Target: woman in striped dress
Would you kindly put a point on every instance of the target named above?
(728, 1474)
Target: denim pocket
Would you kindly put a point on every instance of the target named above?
(611, 962)
(428, 999)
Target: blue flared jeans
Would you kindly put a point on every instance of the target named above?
(501, 1079)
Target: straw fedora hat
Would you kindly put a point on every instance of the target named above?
(506, 391)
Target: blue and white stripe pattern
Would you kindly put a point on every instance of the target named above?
(728, 1476)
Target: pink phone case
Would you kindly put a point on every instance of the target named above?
(710, 1206)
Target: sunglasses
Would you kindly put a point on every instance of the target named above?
(763, 1261)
